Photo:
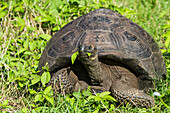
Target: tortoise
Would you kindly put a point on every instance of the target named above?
(124, 58)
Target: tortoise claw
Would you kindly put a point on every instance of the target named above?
(134, 96)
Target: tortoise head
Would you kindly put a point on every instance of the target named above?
(88, 50)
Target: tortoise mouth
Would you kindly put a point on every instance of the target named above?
(89, 51)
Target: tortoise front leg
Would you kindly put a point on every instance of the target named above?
(136, 97)
(63, 81)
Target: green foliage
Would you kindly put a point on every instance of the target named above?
(25, 28)
(102, 100)
(74, 56)
(5, 105)
(45, 78)
(89, 54)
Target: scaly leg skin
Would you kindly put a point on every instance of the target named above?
(132, 95)
(125, 87)
(63, 81)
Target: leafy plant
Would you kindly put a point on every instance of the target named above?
(5, 105)
(42, 95)
(74, 56)
(102, 100)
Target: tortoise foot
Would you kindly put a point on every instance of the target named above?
(134, 96)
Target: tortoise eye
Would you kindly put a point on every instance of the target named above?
(90, 47)
(81, 47)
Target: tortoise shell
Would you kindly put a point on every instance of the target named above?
(116, 37)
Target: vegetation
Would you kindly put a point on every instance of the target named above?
(25, 28)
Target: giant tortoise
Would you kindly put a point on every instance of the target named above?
(124, 59)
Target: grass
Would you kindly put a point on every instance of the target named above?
(25, 28)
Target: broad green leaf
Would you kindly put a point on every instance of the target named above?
(167, 25)
(96, 111)
(40, 11)
(74, 56)
(31, 28)
(86, 92)
(38, 97)
(28, 53)
(32, 91)
(112, 106)
(50, 99)
(48, 77)
(24, 110)
(2, 14)
(32, 46)
(38, 18)
(20, 21)
(70, 100)
(26, 44)
(45, 36)
(13, 64)
(91, 97)
(109, 97)
(36, 79)
(5, 102)
(21, 84)
(4, 5)
(163, 51)
(39, 44)
(32, 105)
(167, 41)
(38, 109)
(104, 94)
(9, 107)
(97, 98)
(11, 77)
(47, 90)
(45, 78)
(168, 66)
(19, 9)
(44, 19)
(77, 94)
(63, 24)
(55, 28)
(21, 50)
(162, 14)
(17, 59)
(89, 54)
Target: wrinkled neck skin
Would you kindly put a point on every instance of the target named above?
(92, 65)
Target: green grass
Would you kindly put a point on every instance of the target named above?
(25, 28)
